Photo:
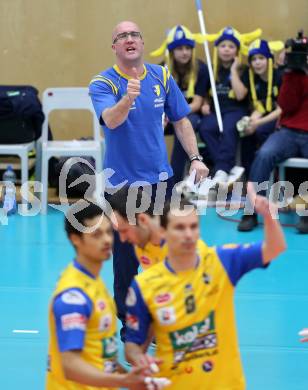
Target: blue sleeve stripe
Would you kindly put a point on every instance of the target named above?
(164, 77)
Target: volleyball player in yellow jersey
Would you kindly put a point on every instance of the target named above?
(82, 319)
(188, 300)
(144, 232)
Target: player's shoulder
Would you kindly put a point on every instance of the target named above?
(151, 275)
(106, 77)
(155, 68)
(208, 254)
(109, 72)
(160, 72)
(233, 247)
(204, 250)
(231, 251)
(202, 246)
(73, 296)
(227, 248)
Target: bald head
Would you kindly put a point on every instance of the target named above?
(123, 27)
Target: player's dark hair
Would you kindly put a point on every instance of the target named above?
(169, 206)
(119, 201)
(89, 212)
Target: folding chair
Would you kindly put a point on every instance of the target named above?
(74, 98)
(294, 162)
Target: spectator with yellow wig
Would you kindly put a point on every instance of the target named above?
(231, 93)
(262, 83)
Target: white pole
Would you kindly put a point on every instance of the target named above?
(209, 64)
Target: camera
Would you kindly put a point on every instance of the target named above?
(297, 52)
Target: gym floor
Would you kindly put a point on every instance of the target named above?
(271, 305)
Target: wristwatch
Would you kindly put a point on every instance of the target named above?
(194, 157)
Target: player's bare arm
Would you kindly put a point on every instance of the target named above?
(274, 241)
(78, 370)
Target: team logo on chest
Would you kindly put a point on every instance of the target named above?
(156, 89)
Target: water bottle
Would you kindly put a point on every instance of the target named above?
(9, 201)
(242, 124)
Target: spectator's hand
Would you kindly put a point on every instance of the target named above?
(252, 126)
(256, 115)
(133, 86)
(261, 204)
(235, 65)
(205, 109)
(202, 170)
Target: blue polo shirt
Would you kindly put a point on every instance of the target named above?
(136, 150)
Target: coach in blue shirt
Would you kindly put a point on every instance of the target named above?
(130, 100)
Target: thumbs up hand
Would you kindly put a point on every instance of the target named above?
(133, 86)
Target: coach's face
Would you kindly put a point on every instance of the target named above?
(127, 42)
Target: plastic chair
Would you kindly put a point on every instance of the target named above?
(291, 163)
(68, 99)
(294, 162)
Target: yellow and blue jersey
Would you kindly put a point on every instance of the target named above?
(153, 254)
(136, 151)
(82, 317)
(192, 314)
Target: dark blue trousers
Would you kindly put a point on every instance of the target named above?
(279, 146)
(221, 146)
(250, 144)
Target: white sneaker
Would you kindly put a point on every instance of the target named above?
(220, 177)
(235, 174)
